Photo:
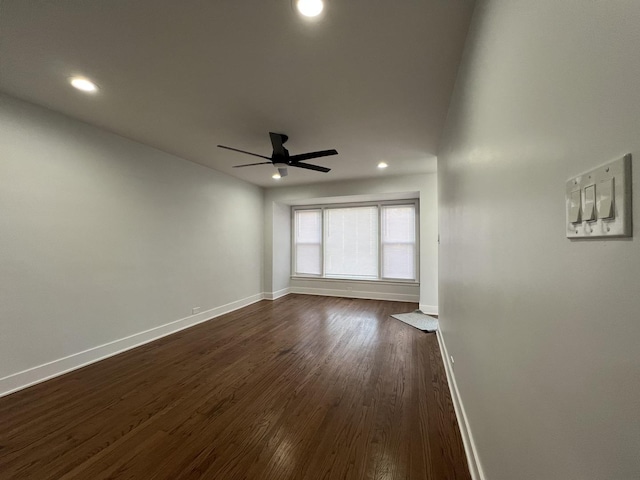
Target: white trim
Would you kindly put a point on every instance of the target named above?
(26, 378)
(379, 204)
(361, 281)
(394, 297)
(429, 309)
(277, 294)
(473, 459)
(350, 199)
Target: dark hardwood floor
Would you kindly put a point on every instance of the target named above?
(300, 388)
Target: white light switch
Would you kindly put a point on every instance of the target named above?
(589, 203)
(575, 209)
(602, 206)
(605, 199)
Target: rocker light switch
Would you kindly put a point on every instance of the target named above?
(598, 202)
(605, 199)
(575, 209)
(589, 203)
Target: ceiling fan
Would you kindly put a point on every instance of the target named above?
(281, 159)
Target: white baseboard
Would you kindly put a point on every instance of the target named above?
(328, 292)
(277, 294)
(429, 309)
(475, 467)
(31, 376)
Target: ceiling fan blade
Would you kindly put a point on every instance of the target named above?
(243, 151)
(252, 164)
(277, 141)
(310, 155)
(283, 171)
(308, 166)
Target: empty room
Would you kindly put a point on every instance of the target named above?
(319, 239)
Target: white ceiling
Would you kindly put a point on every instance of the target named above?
(371, 79)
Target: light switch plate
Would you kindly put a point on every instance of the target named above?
(611, 184)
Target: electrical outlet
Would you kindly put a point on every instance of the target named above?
(195, 310)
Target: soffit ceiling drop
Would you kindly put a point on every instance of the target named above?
(370, 78)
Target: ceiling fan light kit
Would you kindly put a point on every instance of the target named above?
(281, 159)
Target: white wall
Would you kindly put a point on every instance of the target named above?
(545, 332)
(278, 248)
(102, 238)
(277, 240)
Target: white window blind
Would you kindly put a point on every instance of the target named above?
(371, 241)
(398, 238)
(308, 242)
(351, 242)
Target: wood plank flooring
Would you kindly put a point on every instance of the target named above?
(300, 388)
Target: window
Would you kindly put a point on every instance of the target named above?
(351, 242)
(398, 238)
(308, 241)
(360, 241)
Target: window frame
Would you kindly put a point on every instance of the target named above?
(294, 244)
(414, 202)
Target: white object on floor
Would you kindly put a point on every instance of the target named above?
(418, 320)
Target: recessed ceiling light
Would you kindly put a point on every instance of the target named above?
(310, 8)
(382, 165)
(276, 176)
(83, 84)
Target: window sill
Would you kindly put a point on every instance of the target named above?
(385, 281)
